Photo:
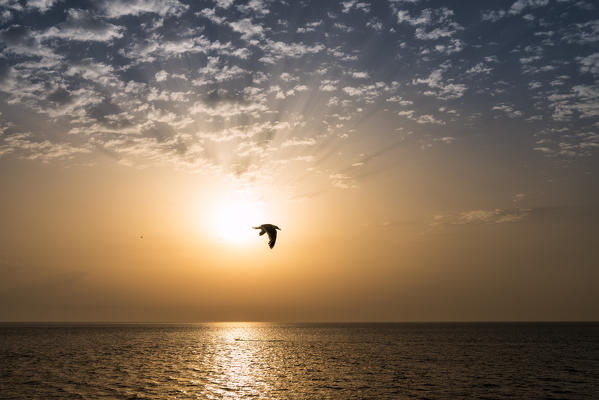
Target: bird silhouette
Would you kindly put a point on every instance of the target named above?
(271, 230)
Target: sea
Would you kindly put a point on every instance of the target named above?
(300, 361)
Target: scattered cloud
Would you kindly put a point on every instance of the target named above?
(442, 89)
(347, 6)
(119, 8)
(507, 110)
(25, 145)
(582, 33)
(517, 8)
(446, 139)
(478, 217)
(480, 68)
(431, 24)
(41, 5)
(247, 28)
(343, 181)
(581, 101)
(82, 25)
(239, 78)
(589, 63)
(520, 5)
(493, 15)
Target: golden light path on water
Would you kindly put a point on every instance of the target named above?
(238, 370)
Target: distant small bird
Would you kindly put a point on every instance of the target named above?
(271, 230)
(141, 237)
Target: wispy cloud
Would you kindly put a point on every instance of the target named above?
(119, 8)
(442, 89)
(475, 217)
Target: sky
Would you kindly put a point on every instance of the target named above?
(426, 160)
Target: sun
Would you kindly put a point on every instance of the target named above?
(233, 218)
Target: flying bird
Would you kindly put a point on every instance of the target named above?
(271, 230)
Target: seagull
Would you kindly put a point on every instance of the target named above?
(272, 233)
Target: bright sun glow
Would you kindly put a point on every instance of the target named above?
(234, 218)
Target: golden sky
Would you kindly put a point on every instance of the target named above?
(425, 162)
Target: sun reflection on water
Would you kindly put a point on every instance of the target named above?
(238, 369)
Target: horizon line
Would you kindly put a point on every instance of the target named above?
(292, 322)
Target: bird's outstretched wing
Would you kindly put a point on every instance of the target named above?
(271, 230)
(272, 237)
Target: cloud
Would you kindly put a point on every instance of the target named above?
(119, 8)
(518, 197)
(82, 25)
(30, 5)
(421, 119)
(516, 8)
(589, 63)
(425, 18)
(581, 144)
(276, 50)
(399, 100)
(211, 15)
(343, 181)
(216, 71)
(342, 27)
(282, 94)
(347, 6)
(493, 15)
(224, 3)
(429, 119)
(41, 5)
(366, 93)
(478, 217)
(247, 29)
(328, 85)
(25, 145)
(581, 101)
(431, 24)
(256, 7)
(446, 139)
(376, 25)
(309, 27)
(443, 90)
(508, 110)
(227, 110)
(93, 71)
(22, 41)
(360, 75)
(520, 5)
(299, 142)
(582, 33)
(157, 47)
(161, 76)
(480, 68)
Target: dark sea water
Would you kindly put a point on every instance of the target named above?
(301, 361)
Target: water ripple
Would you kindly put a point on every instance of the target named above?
(300, 361)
